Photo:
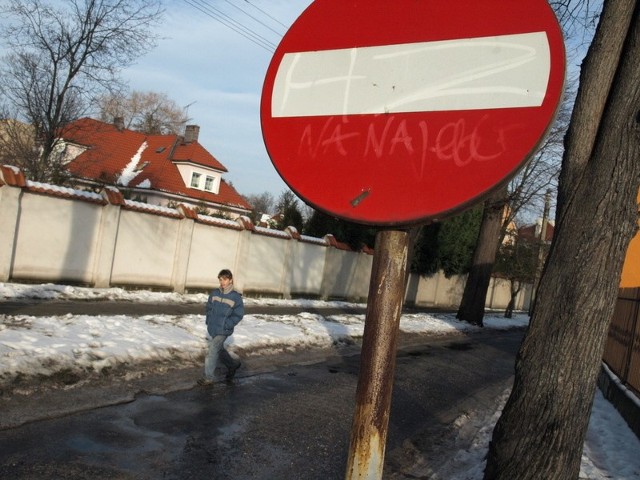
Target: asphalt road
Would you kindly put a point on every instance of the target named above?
(290, 422)
(108, 307)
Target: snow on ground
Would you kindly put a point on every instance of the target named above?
(32, 346)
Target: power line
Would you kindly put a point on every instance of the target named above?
(265, 13)
(229, 22)
(255, 18)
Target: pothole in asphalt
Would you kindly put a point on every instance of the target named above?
(460, 346)
(417, 354)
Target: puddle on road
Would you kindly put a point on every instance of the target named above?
(84, 444)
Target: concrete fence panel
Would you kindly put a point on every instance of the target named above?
(435, 290)
(358, 283)
(145, 249)
(449, 290)
(307, 269)
(56, 239)
(212, 249)
(421, 291)
(498, 293)
(342, 270)
(56, 234)
(266, 264)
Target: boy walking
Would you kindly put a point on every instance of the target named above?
(225, 309)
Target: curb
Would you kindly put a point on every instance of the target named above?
(624, 401)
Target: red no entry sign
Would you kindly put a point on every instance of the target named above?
(394, 112)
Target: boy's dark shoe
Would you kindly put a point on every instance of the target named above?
(205, 382)
(232, 372)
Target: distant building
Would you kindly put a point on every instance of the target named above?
(511, 230)
(532, 233)
(157, 169)
(631, 267)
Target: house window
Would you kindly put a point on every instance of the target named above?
(195, 180)
(208, 183)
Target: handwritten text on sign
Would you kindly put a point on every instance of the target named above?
(456, 141)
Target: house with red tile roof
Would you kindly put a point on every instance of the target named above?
(156, 169)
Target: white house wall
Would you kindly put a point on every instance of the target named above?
(186, 169)
(50, 234)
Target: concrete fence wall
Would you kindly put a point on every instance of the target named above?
(55, 234)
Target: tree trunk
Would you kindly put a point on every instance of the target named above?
(542, 428)
(475, 290)
(514, 290)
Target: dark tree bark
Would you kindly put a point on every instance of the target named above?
(475, 290)
(514, 287)
(542, 428)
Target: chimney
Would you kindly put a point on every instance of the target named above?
(191, 133)
(118, 122)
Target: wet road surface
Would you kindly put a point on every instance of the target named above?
(291, 423)
(108, 307)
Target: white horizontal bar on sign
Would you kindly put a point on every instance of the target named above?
(506, 71)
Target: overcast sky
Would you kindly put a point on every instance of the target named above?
(219, 73)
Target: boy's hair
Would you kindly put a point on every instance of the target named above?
(225, 273)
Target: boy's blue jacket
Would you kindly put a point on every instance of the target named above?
(224, 311)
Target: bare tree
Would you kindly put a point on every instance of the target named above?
(63, 54)
(288, 205)
(502, 208)
(524, 192)
(516, 262)
(16, 141)
(527, 190)
(543, 426)
(148, 112)
(262, 203)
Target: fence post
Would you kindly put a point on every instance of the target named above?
(10, 198)
(328, 272)
(10, 202)
(107, 236)
(183, 248)
(242, 252)
(292, 253)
